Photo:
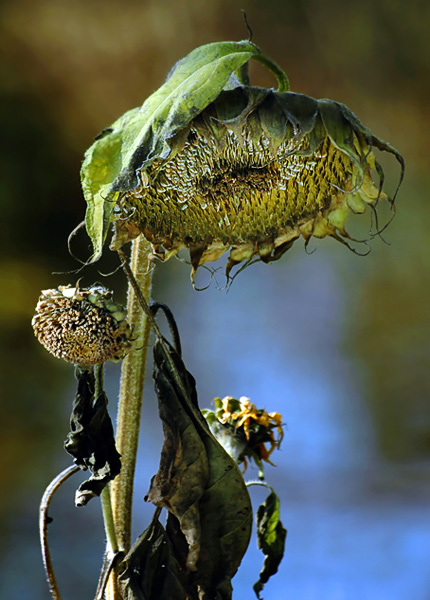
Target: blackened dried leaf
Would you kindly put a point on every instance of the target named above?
(199, 483)
(270, 538)
(150, 570)
(91, 439)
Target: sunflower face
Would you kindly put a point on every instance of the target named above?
(82, 326)
(248, 172)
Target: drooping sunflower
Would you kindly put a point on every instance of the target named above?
(245, 431)
(213, 164)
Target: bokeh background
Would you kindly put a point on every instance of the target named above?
(339, 344)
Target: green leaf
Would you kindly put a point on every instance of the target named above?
(102, 162)
(111, 165)
(271, 537)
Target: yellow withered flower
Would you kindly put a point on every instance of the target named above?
(82, 326)
(213, 164)
(245, 431)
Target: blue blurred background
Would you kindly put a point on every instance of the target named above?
(340, 345)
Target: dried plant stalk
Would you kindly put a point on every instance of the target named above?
(130, 403)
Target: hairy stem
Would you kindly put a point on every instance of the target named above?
(43, 527)
(130, 403)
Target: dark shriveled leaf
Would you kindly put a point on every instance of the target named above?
(91, 439)
(150, 570)
(270, 538)
(184, 471)
(199, 484)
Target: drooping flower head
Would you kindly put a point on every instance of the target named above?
(245, 431)
(213, 164)
(82, 326)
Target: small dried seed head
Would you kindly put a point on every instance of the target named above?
(82, 326)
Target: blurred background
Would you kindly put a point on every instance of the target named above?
(339, 344)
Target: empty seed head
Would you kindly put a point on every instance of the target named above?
(82, 326)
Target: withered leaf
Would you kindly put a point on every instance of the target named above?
(271, 537)
(184, 471)
(199, 483)
(150, 570)
(91, 439)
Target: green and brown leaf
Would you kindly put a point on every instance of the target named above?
(200, 485)
(111, 165)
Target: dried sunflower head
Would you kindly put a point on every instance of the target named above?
(211, 163)
(245, 431)
(82, 326)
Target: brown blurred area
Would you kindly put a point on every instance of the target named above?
(70, 68)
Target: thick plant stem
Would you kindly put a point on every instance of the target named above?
(130, 403)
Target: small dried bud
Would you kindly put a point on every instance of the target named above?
(82, 326)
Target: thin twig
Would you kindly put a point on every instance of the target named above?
(108, 519)
(174, 333)
(106, 501)
(43, 527)
(139, 295)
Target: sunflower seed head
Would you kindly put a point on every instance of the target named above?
(213, 164)
(82, 326)
(253, 181)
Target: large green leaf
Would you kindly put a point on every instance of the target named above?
(134, 141)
